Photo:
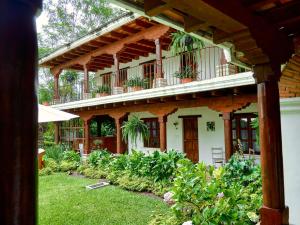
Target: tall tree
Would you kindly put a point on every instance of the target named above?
(70, 19)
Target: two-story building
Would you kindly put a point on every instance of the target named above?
(209, 111)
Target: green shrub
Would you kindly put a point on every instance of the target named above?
(94, 173)
(52, 164)
(95, 156)
(45, 171)
(71, 156)
(66, 166)
(55, 152)
(134, 183)
(214, 196)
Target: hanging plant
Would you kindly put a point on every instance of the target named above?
(133, 128)
(182, 41)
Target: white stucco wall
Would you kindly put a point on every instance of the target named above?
(290, 124)
(207, 139)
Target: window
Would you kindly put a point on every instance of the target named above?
(153, 125)
(106, 79)
(242, 130)
(188, 62)
(149, 72)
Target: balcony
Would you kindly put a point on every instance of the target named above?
(198, 65)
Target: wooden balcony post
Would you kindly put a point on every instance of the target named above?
(86, 80)
(159, 67)
(57, 132)
(228, 135)
(117, 69)
(273, 211)
(56, 87)
(162, 119)
(18, 139)
(86, 148)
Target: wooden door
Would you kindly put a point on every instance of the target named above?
(190, 138)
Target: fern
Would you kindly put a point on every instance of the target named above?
(133, 128)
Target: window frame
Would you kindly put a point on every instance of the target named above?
(238, 131)
(154, 141)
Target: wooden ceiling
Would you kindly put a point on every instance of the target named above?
(128, 53)
(261, 31)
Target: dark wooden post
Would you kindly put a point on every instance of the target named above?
(159, 69)
(162, 119)
(57, 132)
(86, 148)
(117, 69)
(228, 135)
(56, 88)
(119, 135)
(273, 211)
(18, 126)
(86, 81)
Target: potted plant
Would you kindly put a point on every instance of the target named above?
(134, 128)
(103, 90)
(136, 83)
(186, 75)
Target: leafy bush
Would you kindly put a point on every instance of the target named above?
(134, 183)
(45, 171)
(206, 195)
(66, 166)
(95, 156)
(94, 173)
(55, 152)
(52, 164)
(71, 156)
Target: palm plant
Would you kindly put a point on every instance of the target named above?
(103, 89)
(136, 81)
(133, 128)
(182, 41)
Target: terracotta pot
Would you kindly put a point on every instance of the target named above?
(186, 80)
(45, 103)
(98, 95)
(136, 88)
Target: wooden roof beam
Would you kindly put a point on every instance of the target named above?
(155, 7)
(153, 32)
(192, 24)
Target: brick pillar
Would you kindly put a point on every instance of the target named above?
(163, 132)
(18, 139)
(227, 116)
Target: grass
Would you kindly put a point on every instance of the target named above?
(63, 200)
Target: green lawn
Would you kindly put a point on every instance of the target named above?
(63, 200)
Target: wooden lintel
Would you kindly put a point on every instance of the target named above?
(190, 116)
(192, 24)
(155, 7)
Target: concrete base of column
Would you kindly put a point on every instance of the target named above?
(117, 90)
(159, 82)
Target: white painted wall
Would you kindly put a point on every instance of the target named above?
(290, 124)
(207, 139)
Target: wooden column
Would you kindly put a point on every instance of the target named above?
(57, 132)
(86, 80)
(18, 126)
(119, 118)
(163, 132)
(159, 67)
(273, 211)
(56, 88)
(86, 148)
(117, 69)
(228, 135)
